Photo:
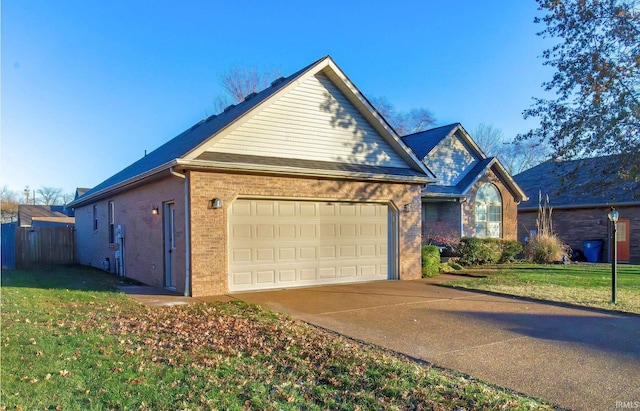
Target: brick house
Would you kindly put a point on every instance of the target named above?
(301, 184)
(474, 196)
(582, 193)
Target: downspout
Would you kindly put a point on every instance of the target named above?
(187, 232)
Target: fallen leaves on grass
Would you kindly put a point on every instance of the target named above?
(275, 359)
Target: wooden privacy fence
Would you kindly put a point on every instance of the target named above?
(45, 245)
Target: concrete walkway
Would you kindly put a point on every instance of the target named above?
(576, 358)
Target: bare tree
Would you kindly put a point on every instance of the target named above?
(489, 138)
(518, 156)
(240, 81)
(68, 197)
(49, 195)
(9, 201)
(515, 155)
(404, 123)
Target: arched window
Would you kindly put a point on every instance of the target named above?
(488, 212)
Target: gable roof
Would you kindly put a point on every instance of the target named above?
(426, 142)
(571, 184)
(423, 142)
(186, 150)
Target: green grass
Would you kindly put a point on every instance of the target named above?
(586, 285)
(70, 342)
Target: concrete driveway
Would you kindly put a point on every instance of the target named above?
(576, 358)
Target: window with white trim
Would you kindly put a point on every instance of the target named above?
(488, 212)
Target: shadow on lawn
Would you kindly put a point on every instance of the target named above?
(69, 277)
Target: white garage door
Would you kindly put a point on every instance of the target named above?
(283, 243)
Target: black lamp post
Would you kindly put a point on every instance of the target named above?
(613, 217)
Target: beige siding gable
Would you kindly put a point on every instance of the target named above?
(313, 121)
(451, 160)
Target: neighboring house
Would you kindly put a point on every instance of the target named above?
(582, 193)
(474, 195)
(42, 234)
(44, 216)
(301, 184)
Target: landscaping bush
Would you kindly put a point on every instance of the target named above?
(510, 249)
(478, 251)
(546, 248)
(430, 261)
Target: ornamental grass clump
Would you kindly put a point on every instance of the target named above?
(546, 246)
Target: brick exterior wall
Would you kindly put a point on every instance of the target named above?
(574, 226)
(446, 215)
(144, 248)
(209, 228)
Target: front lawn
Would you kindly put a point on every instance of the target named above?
(70, 342)
(581, 284)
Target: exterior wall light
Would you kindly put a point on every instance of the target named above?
(613, 217)
(215, 203)
(155, 210)
(408, 207)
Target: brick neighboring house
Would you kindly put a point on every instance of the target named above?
(474, 195)
(301, 184)
(582, 193)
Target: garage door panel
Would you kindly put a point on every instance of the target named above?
(327, 252)
(265, 255)
(307, 253)
(275, 244)
(307, 210)
(286, 231)
(286, 254)
(307, 231)
(287, 276)
(241, 231)
(266, 277)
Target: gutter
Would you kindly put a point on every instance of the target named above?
(295, 171)
(119, 186)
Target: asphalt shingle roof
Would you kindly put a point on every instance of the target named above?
(423, 142)
(578, 183)
(176, 148)
(194, 136)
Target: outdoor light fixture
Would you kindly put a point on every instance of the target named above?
(408, 207)
(215, 203)
(613, 217)
(155, 210)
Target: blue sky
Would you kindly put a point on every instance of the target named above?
(88, 86)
